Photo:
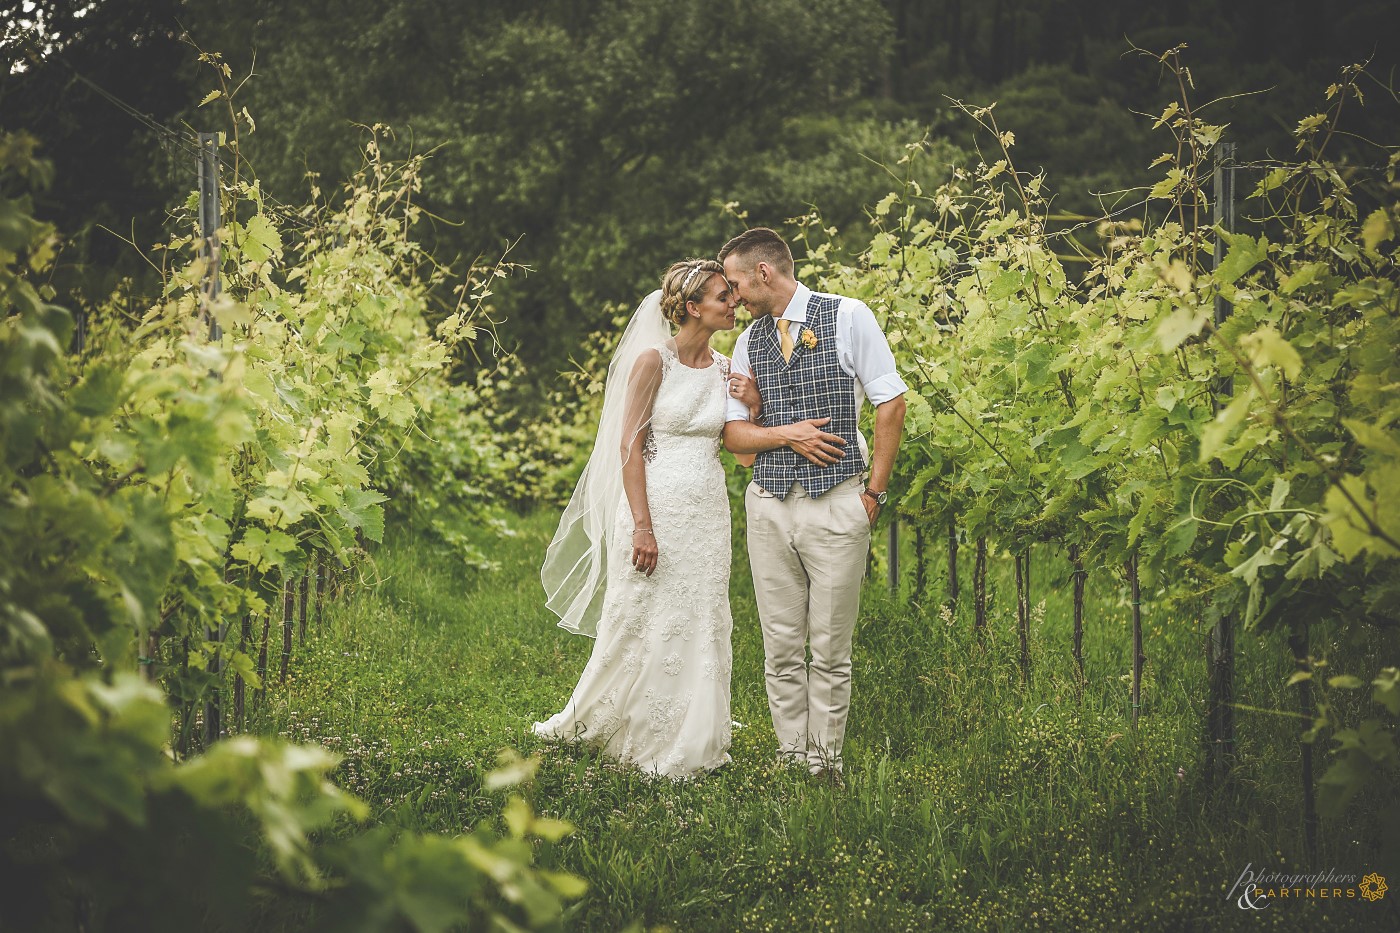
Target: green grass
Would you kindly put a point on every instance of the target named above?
(971, 803)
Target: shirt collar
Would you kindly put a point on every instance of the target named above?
(796, 310)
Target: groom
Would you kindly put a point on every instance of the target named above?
(815, 358)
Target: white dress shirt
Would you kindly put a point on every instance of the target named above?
(861, 349)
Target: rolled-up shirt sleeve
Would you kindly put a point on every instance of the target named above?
(869, 360)
(735, 410)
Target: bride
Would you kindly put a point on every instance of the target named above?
(640, 560)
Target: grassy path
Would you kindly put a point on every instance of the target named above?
(971, 803)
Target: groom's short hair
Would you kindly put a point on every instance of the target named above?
(760, 245)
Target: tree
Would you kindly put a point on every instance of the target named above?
(58, 56)
(601, 133)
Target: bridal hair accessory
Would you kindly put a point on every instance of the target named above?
(685, 283)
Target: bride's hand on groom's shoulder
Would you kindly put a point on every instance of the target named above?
(809, 440)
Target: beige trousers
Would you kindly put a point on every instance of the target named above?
(808, 559)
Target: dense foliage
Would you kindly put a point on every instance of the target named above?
(158, 488)
(1085, 409)
(603, 134)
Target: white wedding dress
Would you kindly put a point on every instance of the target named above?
(655, 692)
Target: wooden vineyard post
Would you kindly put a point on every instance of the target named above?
(186, 707)
(288, 617)
(920, 571)
(1023, 613)
(147, 662)
(1220, 660)
(320, 589)
(1028, 581)
(1079, 575)
(262, 657)
(240, 689)
(80, 328)
(301, 607)
(979, 589)
(210, 219)
(892, 566)
(1220, 710)
(213, 703)
(952, 563)
(1138, 657)
(919, 560)
(1298, 643)
(214, 698)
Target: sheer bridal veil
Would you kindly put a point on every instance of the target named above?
(575, 570)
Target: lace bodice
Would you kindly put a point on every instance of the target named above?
(687, 417)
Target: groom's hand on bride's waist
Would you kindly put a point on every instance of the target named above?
(809, 440)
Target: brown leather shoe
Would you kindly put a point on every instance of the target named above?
(831, 776)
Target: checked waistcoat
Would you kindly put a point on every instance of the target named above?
(811, 385)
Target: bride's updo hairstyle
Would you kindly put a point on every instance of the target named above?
(685, 281)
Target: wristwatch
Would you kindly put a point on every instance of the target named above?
(879, 497)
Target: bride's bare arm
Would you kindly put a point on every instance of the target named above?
(641, 395)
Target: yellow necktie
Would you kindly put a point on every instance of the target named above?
(785, 340)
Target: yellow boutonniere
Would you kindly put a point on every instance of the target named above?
(809, 339)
